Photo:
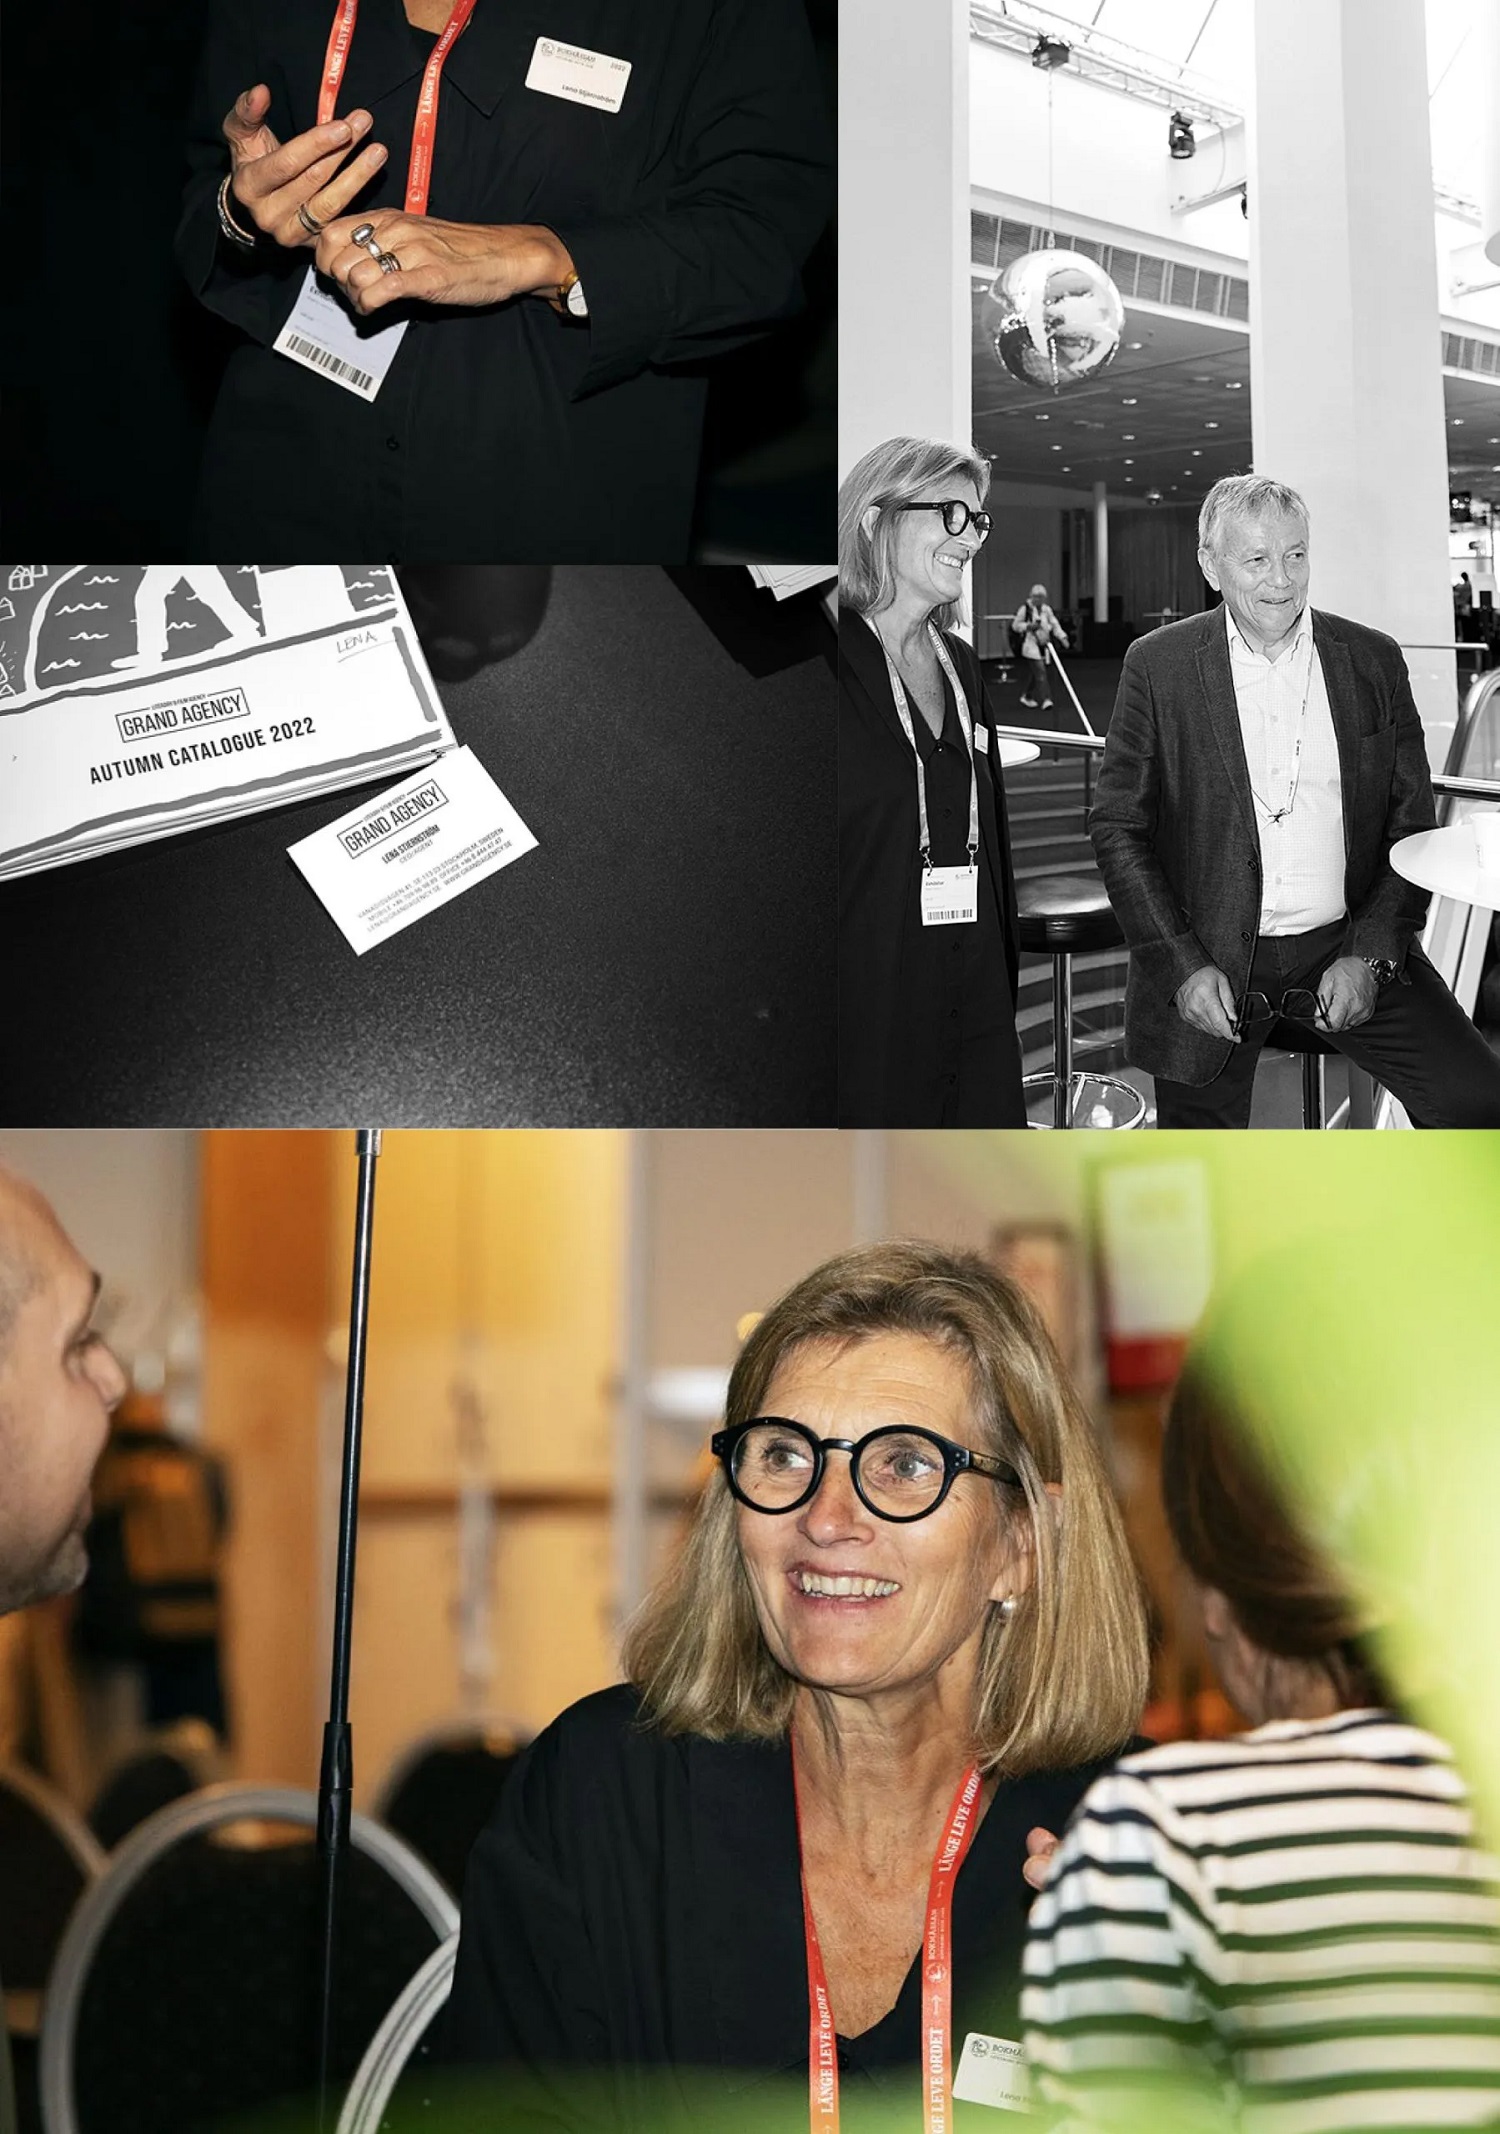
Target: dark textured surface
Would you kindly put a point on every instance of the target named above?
(665, 957)
(200, 2000)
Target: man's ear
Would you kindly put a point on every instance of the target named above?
(1209, 568)
(1020, 1573)
(1218, 1616)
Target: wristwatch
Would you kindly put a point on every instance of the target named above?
(1383, 968)
(570, 295)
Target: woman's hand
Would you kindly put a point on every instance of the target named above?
(271, 181)
(442, 262)
(1040, 1846)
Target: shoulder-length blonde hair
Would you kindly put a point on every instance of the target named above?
(895, 473)
(1063, 1680)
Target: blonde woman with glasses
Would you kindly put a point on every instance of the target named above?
(902, 1636)
(928, 939)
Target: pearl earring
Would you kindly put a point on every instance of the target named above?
(1008, 1606)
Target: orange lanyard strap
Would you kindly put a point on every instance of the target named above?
(424, 132)
(937, 1978)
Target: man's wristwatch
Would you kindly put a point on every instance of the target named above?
(1382, 968)
(570, 296)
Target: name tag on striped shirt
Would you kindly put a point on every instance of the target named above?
(992, 2071)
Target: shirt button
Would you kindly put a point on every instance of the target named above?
(1244, 937)
(393, 444)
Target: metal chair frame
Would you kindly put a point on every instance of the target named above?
(395, 2041)
(212, 1809)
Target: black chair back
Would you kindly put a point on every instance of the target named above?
(441, 1792)
(186, 1991)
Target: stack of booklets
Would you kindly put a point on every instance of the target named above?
(785, 579)
(139, 700)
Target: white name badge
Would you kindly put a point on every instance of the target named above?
(324, 335)
(391, 860)
(583, 77)
(982, 739)
(992, 2071)
(950, 896)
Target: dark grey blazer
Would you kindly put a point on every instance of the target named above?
(1174, 829)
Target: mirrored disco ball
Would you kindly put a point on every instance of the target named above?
(1055, 318)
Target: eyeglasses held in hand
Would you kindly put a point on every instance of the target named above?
(1297, 1005)
(956, 515)
(774, 1465)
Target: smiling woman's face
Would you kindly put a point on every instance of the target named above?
(927, 560)
(859, 1605)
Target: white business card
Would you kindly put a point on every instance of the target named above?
(993, 2071)
(420, 844)
(582, 76)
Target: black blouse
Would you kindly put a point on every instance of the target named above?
(508, 433)
(632, 1927)
(927, 1020)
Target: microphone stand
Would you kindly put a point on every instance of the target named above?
(336, 1777)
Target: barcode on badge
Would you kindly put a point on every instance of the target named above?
(324, 359)
(948, 917)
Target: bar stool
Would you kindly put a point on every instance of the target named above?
(1312, 1048)
(1060, 915)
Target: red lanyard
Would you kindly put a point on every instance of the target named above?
(937, 1980)
(341, 36)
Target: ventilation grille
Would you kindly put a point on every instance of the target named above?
(1159, 281)
(1462, 352)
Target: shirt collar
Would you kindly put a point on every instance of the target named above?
(1241, 648)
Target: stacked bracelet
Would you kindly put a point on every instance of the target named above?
(245, 239)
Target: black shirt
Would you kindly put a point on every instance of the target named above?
(635, 1907)
(507, 433)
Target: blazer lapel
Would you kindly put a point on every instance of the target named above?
(862, 669)
(1343, 703)
(1223, 711)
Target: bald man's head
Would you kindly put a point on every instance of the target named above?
(21, 1207)
(58, 1382)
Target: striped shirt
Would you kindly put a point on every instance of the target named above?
(1295, 1924)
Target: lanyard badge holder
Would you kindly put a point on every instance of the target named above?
(950, 895)
(321, 332)
(937, 1980)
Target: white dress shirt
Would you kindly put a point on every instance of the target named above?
(1302, 855)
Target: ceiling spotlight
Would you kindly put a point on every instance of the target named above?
(1130, 462)
(1054, 448)
(1153, 496)
(1234, 385)
(1180, 142)
(1051, 52)
(1457, 421)
(1210, 426)
(1135, 344)
(1044, 418)
(1129, 403)
(1197, 453)
(1128, 438)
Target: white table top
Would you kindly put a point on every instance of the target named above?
(1008, 753)
(1447, 861)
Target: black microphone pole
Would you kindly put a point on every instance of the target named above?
(336, 1778)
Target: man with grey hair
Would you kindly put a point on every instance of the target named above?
(1261, 761)
(58, 1383)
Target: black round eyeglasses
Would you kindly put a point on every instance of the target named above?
(956, 515)
(774, 1465)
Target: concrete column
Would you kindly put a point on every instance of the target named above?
(1345, 358)
(1101, 553)
(1486, 77)
(904, 313)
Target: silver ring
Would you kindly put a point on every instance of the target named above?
(310, 223)
(363, 234)
(389, 264)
